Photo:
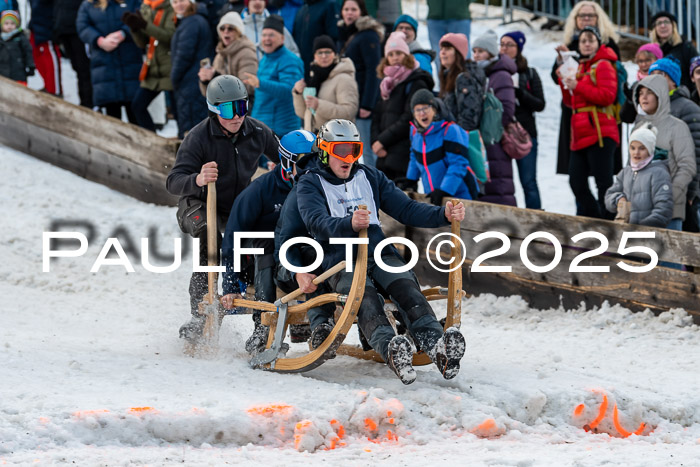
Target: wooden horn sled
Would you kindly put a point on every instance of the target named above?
(279, 315)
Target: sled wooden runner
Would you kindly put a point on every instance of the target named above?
(330, 346)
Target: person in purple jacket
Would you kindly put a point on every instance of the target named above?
(498, 69)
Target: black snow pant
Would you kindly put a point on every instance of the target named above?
(403, 289)
(598, 162)
(199, 282)
(285, 281)
(75, 51)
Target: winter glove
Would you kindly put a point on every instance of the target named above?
(30, 71)
(406, 184)
(134, 20)
(436, 196)
(623, 211)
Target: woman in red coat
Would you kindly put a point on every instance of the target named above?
(591, 95)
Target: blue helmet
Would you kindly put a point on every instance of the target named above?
(293, 146)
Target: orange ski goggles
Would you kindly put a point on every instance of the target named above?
(346, 151)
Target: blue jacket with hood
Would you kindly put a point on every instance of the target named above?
(439, 158)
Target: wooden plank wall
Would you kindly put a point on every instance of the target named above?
(99, 148)
(659, 289)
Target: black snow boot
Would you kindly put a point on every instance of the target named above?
(447, 352)
(319, 335)
(299, 333)
(193, 329)
(400, 359)
(258, 340)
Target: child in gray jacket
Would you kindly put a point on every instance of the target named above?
(642, 191)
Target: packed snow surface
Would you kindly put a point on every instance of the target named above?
(92, 371)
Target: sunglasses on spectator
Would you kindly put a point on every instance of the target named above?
(662, 22)
(587, 15)
(508, 45)
(324, 52)
(228, 110)
(227, 28)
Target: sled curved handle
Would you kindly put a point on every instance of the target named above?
(291, 296)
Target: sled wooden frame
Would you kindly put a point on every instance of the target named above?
(296, 314)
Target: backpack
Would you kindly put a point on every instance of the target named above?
(491, 124)
(622, 85)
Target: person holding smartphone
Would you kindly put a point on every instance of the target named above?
(331, 91)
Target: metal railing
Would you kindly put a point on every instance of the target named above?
(632, 17)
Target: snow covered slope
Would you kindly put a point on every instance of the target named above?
(82, 354)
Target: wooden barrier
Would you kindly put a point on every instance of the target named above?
(659, 289)
(103, 149)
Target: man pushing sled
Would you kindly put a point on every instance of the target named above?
(329, 197)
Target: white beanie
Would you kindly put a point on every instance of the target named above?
(232, 18)
(646, 135)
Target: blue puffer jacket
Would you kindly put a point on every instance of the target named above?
(256, 209)
(274, 106)
(115, 74)
(314, 209)
(41, 23)
(190, 44)
(439, 158)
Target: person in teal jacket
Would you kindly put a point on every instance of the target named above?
(439, 153)
(278, 71)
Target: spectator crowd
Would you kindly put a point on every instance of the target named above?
(450, 116)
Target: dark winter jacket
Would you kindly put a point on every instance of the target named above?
(158, 77)
(674, 142)
(212, 8)
(278, 72)
(315, 18)
(230, 5)
(695, 96)
(439, 157)
(391, 122)
(256, 209)
(589, 95)
(529, 99)
(236, 158)
(649, 192)
(378, 192)
(65, 13)
(684, 53)
(362, 43)
(500, 189)
(290, 224)
(190, 44)
(41, 23)
(115, 74)
(688, 111)
(465, 103)
(16, 60)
